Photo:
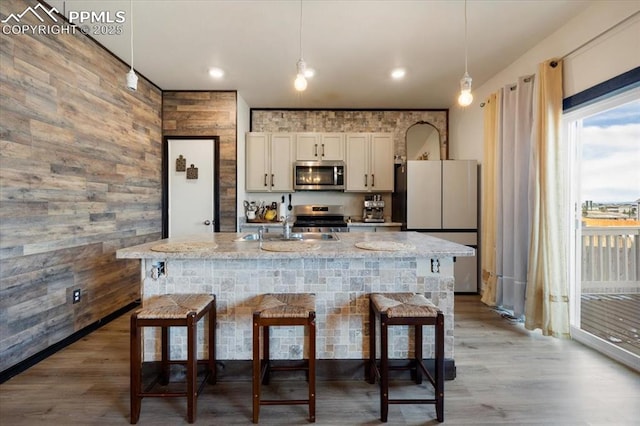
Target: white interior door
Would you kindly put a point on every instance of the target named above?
(191, 201)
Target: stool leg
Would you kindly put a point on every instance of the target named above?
(256, 369)
(384, 368)
(164, 363)
(417, 341)
(192, 366)
(265, 354)
(213, 373)
(136, 361)
(312, 367)
(371, 376)
(439, 373)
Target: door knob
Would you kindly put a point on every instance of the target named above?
(207, 222)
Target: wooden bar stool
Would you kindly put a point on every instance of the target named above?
(173, 310)
(410, 309)
(283, 310)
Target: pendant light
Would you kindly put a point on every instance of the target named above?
(300, 82)
(465, 97)
(132, 78)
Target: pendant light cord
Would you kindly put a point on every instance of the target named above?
(131, 38)
(301, 56)
(466, 44)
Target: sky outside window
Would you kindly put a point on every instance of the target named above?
(611, 155)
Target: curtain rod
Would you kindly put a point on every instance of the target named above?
(526, 79)
(592, 39)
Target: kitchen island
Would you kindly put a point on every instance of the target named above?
(340, 272)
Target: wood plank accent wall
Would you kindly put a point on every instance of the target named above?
(208, 114)
(80, 177)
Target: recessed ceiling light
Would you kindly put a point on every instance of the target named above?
(398, 73)
(216, 73)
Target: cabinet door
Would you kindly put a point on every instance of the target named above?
(360, 229)
(424, 197)
(281, 177)
(331, 146)
(388, 228)
(459, 194)
(257, 162)
(308, 147)
(381, 158)
(357, 164)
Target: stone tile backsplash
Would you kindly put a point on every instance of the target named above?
(396, 122)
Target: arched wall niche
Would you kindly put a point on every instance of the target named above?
(423, 142)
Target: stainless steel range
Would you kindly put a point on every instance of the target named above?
(319, 218)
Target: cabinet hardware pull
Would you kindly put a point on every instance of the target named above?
(265, 179)
(323, 150)
(373, 179)
(271, 179)
(365, 180)
(315, 147)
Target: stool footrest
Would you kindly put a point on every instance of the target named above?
(412, 401)
(284, 401)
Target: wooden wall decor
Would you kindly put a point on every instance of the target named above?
(80, 177)
(207, 114)
(181, 164)
(192, 172)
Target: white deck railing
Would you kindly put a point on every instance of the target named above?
(610, 259)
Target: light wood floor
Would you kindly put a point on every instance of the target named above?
(506, 375)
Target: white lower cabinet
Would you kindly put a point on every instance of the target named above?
(373, 228)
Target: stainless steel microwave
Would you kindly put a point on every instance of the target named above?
(318, 176)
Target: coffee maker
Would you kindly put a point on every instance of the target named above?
(373, 210)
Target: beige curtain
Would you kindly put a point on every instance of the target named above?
(547, 302)
(488, 234)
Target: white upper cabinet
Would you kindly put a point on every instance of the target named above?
(369, 165)
(319, 146)
(269, 162)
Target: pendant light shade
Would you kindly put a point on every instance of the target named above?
(132, 80)
(301, 81)
(465, 98)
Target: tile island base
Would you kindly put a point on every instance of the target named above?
(341, 276)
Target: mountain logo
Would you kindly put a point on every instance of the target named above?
(34, 11)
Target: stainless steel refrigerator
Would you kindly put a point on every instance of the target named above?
(441, 199)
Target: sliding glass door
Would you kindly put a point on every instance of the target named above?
(605, 141)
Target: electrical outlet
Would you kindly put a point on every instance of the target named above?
(158, 269)
(76, 295)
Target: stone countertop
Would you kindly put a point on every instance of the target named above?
(373, 224)
(223, 245)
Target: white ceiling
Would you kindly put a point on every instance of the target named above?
(352, 45)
